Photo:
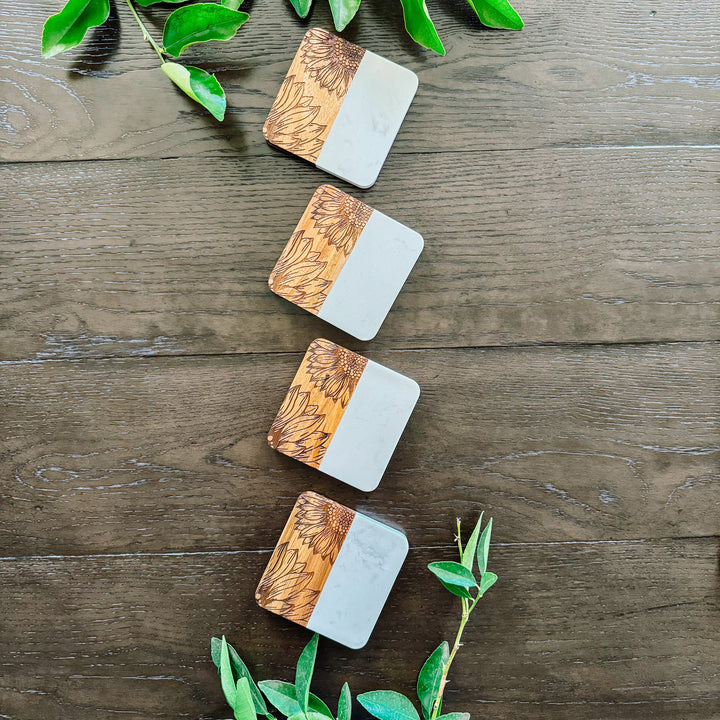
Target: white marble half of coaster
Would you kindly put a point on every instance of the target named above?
(359, 583)
(340, 107)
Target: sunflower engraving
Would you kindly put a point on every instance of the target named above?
(283, 588)
(297, 429)
(297, 276)
(291, 121)
(322, 524)
(331, 61)
(339, 217)
(334, 370)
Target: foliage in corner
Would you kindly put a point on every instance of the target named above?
(468, 579)
(188, 25)
(498, 14)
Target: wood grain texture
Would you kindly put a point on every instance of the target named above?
(612, 73)
(557, 443)
(599, 631)
(521, 247)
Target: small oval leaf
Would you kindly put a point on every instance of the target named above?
(388, 705)
(488, 580)
(343, 11)
(304, 672)
(226, 677)
(419, 25)
(302, 7)
(457, 590)
(497, 14)
(199, 85)
(67, 29)
(484, 547)
(244, 705)
(468, 555)
(428, 684)
(344, 703)
(198, 23)
(452, 573)
(454, 716)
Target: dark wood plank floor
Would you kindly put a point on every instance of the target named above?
(563, 323)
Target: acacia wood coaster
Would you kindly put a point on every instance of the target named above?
(332, 570)
(343, 414)
(346, 262)
(340, 107)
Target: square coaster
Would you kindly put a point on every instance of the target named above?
(346, 262)
(340, 107)
(332, 570)
(343, 414)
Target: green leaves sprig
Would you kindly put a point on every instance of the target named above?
(492, 13)
(188, 25)
(469, 579)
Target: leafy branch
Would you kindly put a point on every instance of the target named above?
(468, 579)
(186, 26)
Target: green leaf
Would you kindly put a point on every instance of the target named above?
(484, 547)
(468, 556)
(232, 4)
(199, 85)
(487, 581)
(454, 716)
(199, 23)
(239, 670)
(428, 684)
(497, 14)
(388, 705)
(304, 672)
(310, 715)
(283, 696)
(343, 11)
(244, 705)
(148, 3)
(419, 25)
(457, 590)
(344, 703)
(67, 29)
(302, 7)
(452, 573)
(226, 676)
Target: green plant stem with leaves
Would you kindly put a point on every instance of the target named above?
(204, 21)
(296, 702)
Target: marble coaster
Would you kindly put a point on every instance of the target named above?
(340, 107)
(332, 570)
(346, 262)
(343, 414)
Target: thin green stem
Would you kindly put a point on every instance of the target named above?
(145, 32)
(467, 608)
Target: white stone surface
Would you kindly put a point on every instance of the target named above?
(372, 276)
(373, 421)
(368, 120)
(359, 583)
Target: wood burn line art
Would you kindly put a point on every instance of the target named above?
(285, 586)
(304, 556)
(298, 274)
(297, 429)
(339, 217)
(334, 370)
(291, 122)
(331, 61)
(316, 401)
(322, 524)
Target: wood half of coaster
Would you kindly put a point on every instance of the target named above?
(346, 262)
(340, 107)
(332, 570)
(343, 414)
